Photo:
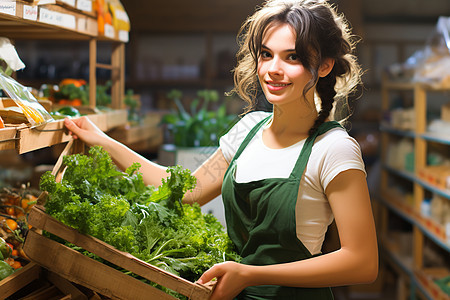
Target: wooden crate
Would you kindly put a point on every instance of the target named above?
(34, 282)
(8, 138)
(97, 276)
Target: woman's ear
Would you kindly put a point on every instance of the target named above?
(326, 67)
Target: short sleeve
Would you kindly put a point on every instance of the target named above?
(230, 142)
(342, 155)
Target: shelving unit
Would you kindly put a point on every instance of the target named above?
(416, 276)
(21, 20)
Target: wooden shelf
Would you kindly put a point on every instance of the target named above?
(433, 231)
(20, 20)
(25, 139)
(422, 226)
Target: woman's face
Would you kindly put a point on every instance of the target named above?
(281, 75)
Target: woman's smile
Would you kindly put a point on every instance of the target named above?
(276, 86)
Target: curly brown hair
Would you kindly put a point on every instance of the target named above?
(321, 33)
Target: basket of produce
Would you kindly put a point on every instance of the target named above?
(106, 230)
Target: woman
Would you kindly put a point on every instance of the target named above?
(284, 175)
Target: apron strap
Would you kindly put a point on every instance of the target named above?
(249, 136)
(303, 158)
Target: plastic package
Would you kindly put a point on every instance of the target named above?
(31, 108)
(432, 63)
(34, 112)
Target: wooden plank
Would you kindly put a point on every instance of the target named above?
(39, 219)
(42, 136)
(134, 134)
(19, 279)
(101, 120)
(116, 118)
(66, 287)
(87, 272)
(92, 72)
(8, 138)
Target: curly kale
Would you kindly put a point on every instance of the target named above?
(150, 223)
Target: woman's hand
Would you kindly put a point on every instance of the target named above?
(232, 278)
(82, 128)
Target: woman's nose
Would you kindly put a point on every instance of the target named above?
(275, 66)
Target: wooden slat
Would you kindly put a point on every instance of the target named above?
(19, 279)
(87, 272)
(116, 118)
(39, 219)
(8, 138)
(38, 137)
(134, 134)
(92, 72)
(66, 287)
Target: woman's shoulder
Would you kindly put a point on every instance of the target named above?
(253, 118)
(247, 122)
(230, 142)
(337, 140)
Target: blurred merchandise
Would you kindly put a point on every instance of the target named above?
(432, 63)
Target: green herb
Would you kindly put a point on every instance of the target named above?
(149, 223)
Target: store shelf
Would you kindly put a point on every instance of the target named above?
(412, 177)
(399, 132)
(409, 208)
(404, 265)
(433, 231)
(425, 279)
(21, 20)
(26, 139)
(436, 137)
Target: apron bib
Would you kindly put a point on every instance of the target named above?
(261, 221)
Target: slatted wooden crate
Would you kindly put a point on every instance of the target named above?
(95, 275)
(34, 282)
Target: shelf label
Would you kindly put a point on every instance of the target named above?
(57, 18)
(8, 7)
(84, 5)
(109, 31)
(30, 12)
(122, 15)
(123, 36)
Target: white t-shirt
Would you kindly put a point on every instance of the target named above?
(332, 153)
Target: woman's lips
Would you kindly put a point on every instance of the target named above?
(276, 86)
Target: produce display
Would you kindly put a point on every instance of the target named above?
(14, 206)
(148, 222)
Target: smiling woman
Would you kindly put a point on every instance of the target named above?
(284, 176)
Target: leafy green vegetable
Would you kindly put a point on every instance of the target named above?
(149, 223)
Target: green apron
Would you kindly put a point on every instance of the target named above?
(261, 221)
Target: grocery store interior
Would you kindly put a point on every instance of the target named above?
(155, 75)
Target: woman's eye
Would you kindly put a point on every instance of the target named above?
(293, 56)
(265, 54)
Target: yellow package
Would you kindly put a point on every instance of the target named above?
(120, 19)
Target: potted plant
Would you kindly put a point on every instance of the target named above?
(199, 126)
(194, 134)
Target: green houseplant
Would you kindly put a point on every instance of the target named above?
(197, 126)
(194, 135)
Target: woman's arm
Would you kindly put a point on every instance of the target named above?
(209, 179)
(355, 262)
(123, 157)
(209, 174)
